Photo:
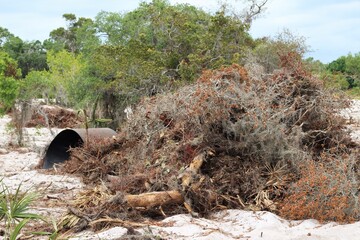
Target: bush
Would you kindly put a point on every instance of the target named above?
(335, 81)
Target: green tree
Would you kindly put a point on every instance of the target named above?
(338, 65)
(315, 66)
(349, 67)
(188, 38)
(65, 71)
(335, 80)
(29, 55)
(352, 65)
(67, 38)
(125, 73)
(13, 46)
(38, 84)
(32, 58)
(9, 82)
(9, 90)
(5, 35)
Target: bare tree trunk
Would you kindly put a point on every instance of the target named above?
(42, 113)
(93, 112)
(19, 118)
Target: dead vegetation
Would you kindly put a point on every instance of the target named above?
(53, 116)
(228, 141)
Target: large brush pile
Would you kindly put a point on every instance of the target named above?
(228, 141)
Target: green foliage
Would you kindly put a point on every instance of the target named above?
(32, 58)
(9, 90)
(16, 231)
(119, 75)
(353, 64)
(181, 33)
(68, 38)
(131, 66)
(349, 67)
(9, 84)
(8, 66)
(38, 84)
(28, 55)
(4, 35)
(86, 38)
(335, 81)
(338, 65)
(14, 210)
(265, 55)
(65, 71)
(13, 46)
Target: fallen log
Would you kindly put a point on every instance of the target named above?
(154, 199)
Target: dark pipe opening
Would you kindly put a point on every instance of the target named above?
(58, 150)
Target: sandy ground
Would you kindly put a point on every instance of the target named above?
(353, 116)
(17, 166)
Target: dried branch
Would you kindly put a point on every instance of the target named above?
(255, 9)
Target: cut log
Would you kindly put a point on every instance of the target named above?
(154, 199)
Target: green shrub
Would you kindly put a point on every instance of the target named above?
(14, 210)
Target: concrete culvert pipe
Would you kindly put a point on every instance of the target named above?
(58, 150)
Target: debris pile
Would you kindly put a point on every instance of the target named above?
(227, 141)
(54, 116)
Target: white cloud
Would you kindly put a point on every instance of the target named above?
(331, 27)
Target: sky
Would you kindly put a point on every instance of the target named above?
(331, 27)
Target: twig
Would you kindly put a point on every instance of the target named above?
(119, 222)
